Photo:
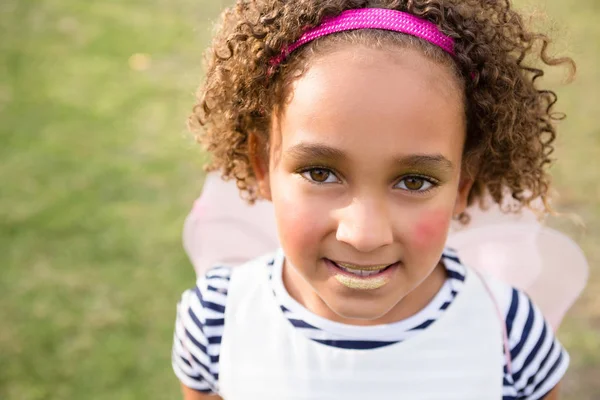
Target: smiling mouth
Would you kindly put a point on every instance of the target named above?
(362, 277)
(362, 270)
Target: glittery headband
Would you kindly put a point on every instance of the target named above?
(372, 18)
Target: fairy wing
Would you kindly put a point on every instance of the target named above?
(516, 248)
(222, 229)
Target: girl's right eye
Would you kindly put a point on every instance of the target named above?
(319, 175)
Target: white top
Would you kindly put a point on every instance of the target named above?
(539, 361)
(457, 358)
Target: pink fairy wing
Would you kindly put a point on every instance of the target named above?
(518, 250)
(504, 250)
(222, 229)
(565, 273)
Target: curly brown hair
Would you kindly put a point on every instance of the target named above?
(510, 121)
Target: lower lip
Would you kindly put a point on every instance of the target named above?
(352, 281)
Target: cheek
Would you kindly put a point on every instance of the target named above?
(301, 221)
(294, 224)
(431, 229)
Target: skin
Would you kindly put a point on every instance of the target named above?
(365, 168)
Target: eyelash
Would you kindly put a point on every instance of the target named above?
(302, 173)
(433, 182)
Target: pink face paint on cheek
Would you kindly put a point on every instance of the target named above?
(430, 229)
(300, 223)
(294, 228)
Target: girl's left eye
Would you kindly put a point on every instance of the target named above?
(319, 175)
(415, 184)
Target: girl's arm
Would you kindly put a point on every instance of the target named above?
(552, 395)
(191, 394)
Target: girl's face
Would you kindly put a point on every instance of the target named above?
(365, 176)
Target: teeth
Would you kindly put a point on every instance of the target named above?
(372, 268)
(360, 272)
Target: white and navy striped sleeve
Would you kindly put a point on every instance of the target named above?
(539, 361)
(198, 331)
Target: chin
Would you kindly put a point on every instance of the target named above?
(360, 310)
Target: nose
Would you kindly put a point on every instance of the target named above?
(365, 225)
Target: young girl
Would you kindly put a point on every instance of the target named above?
(370, 125)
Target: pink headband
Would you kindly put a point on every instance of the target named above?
(373, 18)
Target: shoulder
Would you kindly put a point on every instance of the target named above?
(204, 304)
(207, 299)
(522, 317)
(538, 360)
(200, 324)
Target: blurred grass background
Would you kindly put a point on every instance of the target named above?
(98, 174)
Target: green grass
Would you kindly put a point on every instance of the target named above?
(98, 174)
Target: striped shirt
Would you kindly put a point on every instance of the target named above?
(538, 359)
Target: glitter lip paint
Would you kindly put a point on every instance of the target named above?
(358, 282)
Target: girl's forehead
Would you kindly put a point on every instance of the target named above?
(375, 98)
(396, 67)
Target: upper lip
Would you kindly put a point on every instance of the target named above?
(366, 267)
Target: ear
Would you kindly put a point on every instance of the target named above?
(259, 160)
(465, 184)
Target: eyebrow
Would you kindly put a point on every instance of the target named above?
(322, 151)
(315, 150)
(427, 161)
